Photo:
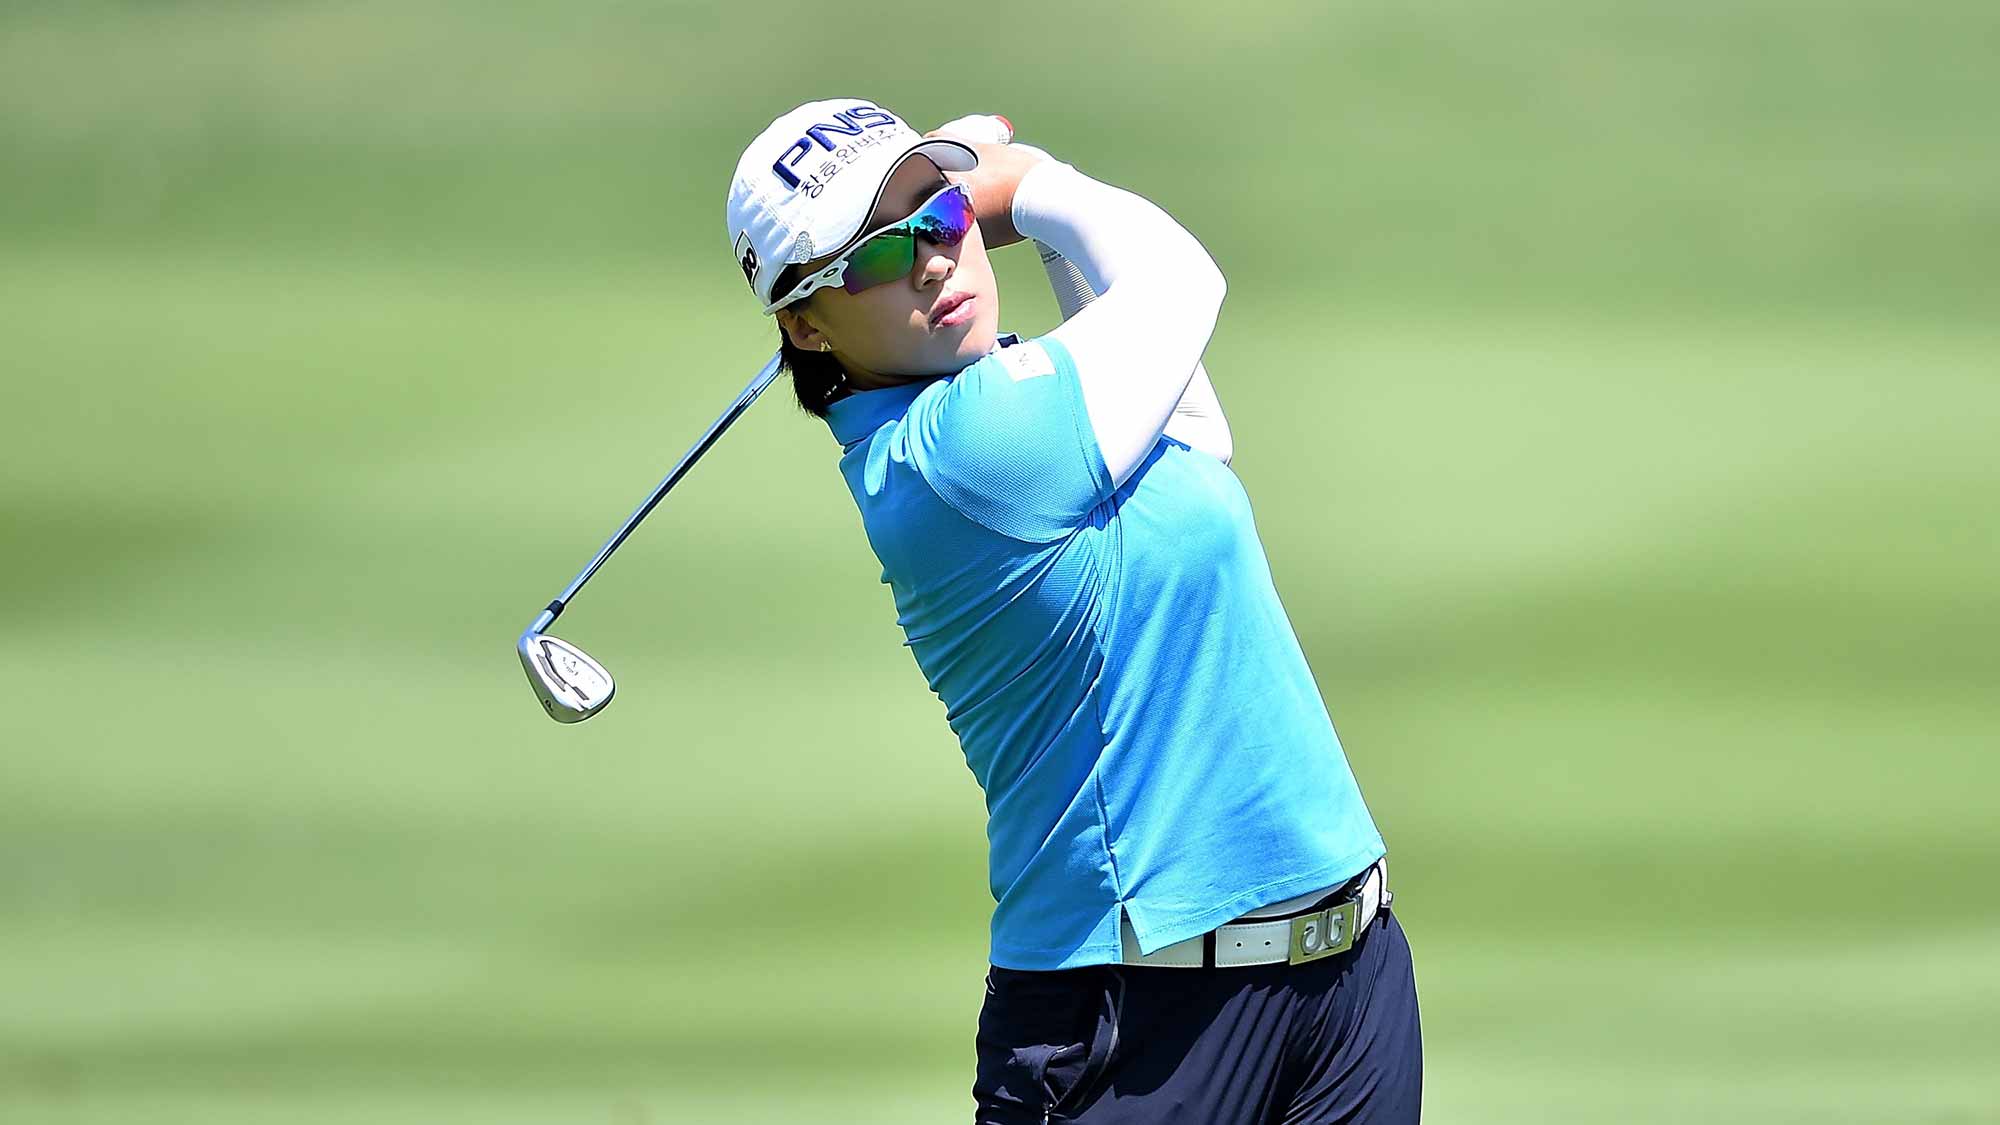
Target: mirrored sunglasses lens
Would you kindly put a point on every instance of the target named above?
(946, 218)
(885, 257)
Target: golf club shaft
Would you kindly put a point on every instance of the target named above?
(754, 388)
(1072, 293)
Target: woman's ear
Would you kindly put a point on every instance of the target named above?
(803, 334)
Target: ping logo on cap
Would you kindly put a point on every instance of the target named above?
(746, 256)
(847, 123)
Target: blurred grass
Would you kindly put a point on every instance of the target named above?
(1615, 387)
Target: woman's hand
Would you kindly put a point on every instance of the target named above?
(992, 185)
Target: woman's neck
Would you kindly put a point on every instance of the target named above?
(860, 379)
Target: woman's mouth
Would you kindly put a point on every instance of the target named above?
(955, 309)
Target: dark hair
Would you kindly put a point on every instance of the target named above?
(815, 375)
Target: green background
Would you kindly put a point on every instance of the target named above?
(1615, 384)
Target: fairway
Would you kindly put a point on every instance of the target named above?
(1616, 390)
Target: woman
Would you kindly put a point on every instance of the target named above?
(1191, 918)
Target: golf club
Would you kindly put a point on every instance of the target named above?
(572, 686)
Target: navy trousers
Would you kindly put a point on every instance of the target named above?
(1330, 1041)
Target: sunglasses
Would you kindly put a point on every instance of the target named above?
(884, 255)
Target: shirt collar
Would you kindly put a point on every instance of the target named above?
(857, 415)
(863, 412)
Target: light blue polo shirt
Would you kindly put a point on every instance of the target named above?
(1124, 683)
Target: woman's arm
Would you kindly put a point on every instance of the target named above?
(1198, 420)
(1137, 348)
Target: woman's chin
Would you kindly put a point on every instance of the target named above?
(978, 340)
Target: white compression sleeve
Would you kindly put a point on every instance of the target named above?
(1198, 420)
(1138, 347)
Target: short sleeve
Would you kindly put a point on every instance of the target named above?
(1008, 444)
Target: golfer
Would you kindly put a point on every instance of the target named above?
(1192, 916)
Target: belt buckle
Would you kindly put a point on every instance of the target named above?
(1324, 933)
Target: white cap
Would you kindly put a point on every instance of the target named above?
(810, 180)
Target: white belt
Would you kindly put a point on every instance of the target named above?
(1297, 939)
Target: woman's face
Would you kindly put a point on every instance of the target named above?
(907, 326)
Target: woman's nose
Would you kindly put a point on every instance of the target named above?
(938, 267)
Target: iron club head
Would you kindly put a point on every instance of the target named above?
(571, 686)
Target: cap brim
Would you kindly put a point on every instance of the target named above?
(948, 155)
